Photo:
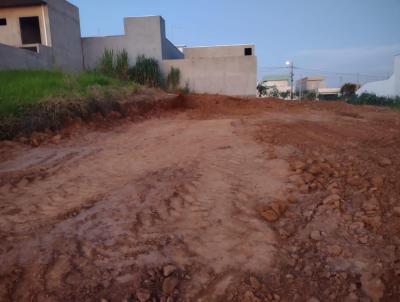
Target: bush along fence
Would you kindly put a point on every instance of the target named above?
(372, 99)
(145, 71)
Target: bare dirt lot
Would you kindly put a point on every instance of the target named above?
(225, 200)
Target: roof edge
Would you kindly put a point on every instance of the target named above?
(21, 3)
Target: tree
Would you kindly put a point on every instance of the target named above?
(348, 90)
(262, 90)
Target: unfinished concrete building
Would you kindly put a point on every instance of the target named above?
(46, 34)
(40, 34)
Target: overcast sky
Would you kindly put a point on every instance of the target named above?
(323, 37)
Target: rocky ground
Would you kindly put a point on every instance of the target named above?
(224, 200)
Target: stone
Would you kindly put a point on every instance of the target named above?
(384, 162)
(35, 142)
(291, 199)
(269, 215)
(315, 169)
(143, 295)
(56, 139)
(396, 211)
(373, 222)
(377, 181)
(352, 297)
(169, 285)
(334, 250)
(255, 284)
(279, 207)
(250, 297)
(316, 235)
(372, 287)
(333, 199)
(298, 165)
(169, 270)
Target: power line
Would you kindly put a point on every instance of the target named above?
(265, 68)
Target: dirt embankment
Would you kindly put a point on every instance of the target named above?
(228, 200)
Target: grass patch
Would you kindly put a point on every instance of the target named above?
(20, 89)
(35, 100)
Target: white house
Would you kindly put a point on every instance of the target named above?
(386, 88)
(280, 82)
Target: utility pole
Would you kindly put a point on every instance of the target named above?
(291, 66)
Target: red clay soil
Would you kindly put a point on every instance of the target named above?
(226, 199)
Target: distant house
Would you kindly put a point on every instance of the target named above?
(328, 93)
(280, 82)
(310, 84)
(386, 88)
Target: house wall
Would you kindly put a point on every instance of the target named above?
(282, 86)
(170, 51)
(307, 84)
(65, 35)
(11, 33)
(143, 36)
(386, 88)
(16, 58)
(219, 75)
(217, 51)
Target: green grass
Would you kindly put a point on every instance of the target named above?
(21, 88)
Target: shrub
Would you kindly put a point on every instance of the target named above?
(106, 64)
(262, 90)
(146, 71)
(115, 64)
(284, 94)
(373, 99)
(348, 90)
(173, 79)
(122, 65)
(310, 95)
(185, 90)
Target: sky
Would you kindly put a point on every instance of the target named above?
(343, 40)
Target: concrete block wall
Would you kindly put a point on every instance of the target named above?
(217, 51)
(143, 36)
(170, 51)
(235, 76)
(16, 58)
(65, 35)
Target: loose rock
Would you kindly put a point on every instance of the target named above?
(373, 287)
(168, 270)
(143, 295)
(316, 235)
(169, 285)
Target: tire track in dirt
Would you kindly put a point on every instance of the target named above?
(191, 203)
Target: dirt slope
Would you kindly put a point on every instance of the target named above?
(228, 200)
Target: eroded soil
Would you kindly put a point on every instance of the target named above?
(227, 200)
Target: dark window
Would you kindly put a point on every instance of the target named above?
(248, 51)
(3, 22)
(30, 30)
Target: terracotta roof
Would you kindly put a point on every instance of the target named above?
(16, 3)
